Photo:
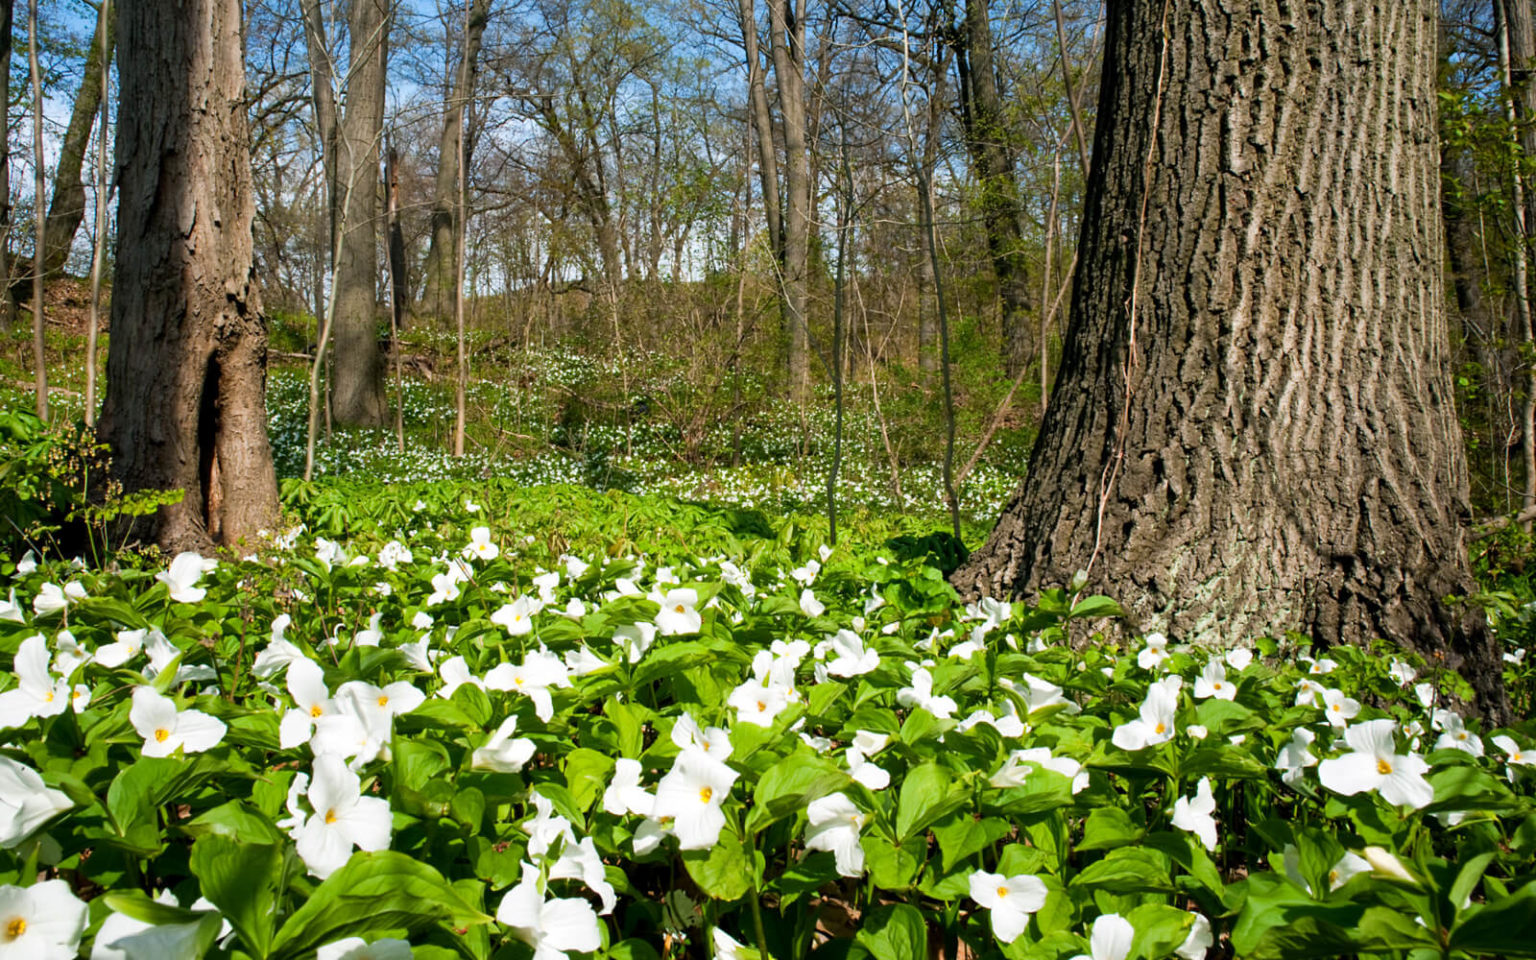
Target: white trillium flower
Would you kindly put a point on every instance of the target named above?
(1348, 867)
(1515, 755)
(809, 605)
(533, 678)
(728, 947)
(920, 694)
(1339, 708)
(1154, 653)
(502, 753)
(691, 794)
(834, 825)
(714, 742)
(852, 658)
(129, 644)
(162, 653)
(624, 794)
(1454, 734)
(1294, 757)
(40, 922)
(1109, 939)
(1375, 764)
(1307, 692)
(550, 927)
(678, 614)
(455, 672)
(517, 617)
(635, 639)
(1155, 724)
(545, 827)
(1041, 694)
(419, 654)
(580, 861)
(311, 701)
(165, 729)
(1011, 900)
(1401, 673)
(1238, 658)
(1212, 682)
(39, 693)
(1194, 814)
(185, 571)
(480, 546)
(26, 803)
(341, 819)
(10, 610)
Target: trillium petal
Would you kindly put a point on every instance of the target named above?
(1350, 774)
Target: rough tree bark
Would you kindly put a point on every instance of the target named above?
(186, 386)
(442, 254)
(66, 206)
(786, 20)
(981, 116)
(358, 397)
(1253, 427)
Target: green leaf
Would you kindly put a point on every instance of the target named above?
(1109, 827)
(374, 892)
(241, 880)
(961, 835)
(1127, 870)
(1500, 927)
(237, 820)
(927, 795)
(1091, 607)
(724, 871)
(586, 774)
(895, 932)
(893, 866)
(790, 785)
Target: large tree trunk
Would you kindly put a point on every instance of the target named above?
(66, 208)
(1253, 428)
(358, 396)
(186, 386)
(787, 22)
(442, 253)
(322, 83)
(986, 141)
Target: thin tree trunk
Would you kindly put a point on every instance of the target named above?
(186, 387)
(787, 19)
(461, 222)
(1253, 429)
(399, 294)
(452, 152)
(1517, 50)
(66, 208)
(40, 243)
(761, 122)
(986, 141)
(358, 397)
(322, 82)
(7, 296)
(99, 243)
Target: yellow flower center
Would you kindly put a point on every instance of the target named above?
(383, 701)
(1160, 729)
(1216, 685)
(1383, 767)
(315, 710)
(1333, 877)
(761, 706)
(161, 735)
(47, 698)
(1002, 892)
(330, 816)
(706, 794)
(518, 680)
(14, 928)
(680, 608)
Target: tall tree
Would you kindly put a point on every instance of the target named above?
(66, 206)
(786, 24)
(351, 143)
(1253, 427)
(186, 367)
(7, 299)
(442, 254)
(987, 145)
